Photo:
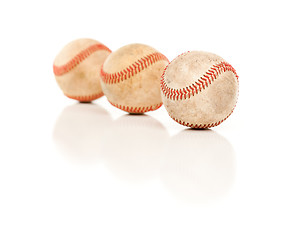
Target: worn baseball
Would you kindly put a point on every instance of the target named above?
(131, 78)
(199, 89)
(77, 69)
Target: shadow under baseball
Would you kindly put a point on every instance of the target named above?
(199, 166)
(79, 131)
(133, 148)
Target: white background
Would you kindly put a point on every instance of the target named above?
(90, 171)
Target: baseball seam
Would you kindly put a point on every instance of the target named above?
(88, 98)
(209, 125)
(77, 59)
(136, 67)
(196, 87)
(137, 109)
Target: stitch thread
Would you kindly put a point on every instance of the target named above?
(136, 67)
(199, 85)
(60, 70)
(201, 126)
(137, 109)
(86, 98)
(195, 88)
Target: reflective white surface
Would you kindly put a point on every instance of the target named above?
(196, 166)
(90, 171)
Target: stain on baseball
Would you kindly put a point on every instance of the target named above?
(131, 78)
(77, 69)
(199, 89)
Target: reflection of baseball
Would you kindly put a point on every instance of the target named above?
(77, 69)
(133, 147)
(131, 78)
(79, 132)
(198, 167)
(199, 89)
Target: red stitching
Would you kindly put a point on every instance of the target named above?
(137, 109)
(201, 126)
(195, 88)
(60, 70)
(86, 98)
(203, 82)
(136, 67)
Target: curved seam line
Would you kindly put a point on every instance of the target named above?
(87, 97)
(210, 76)
(214, 124)
(77, 59)
(131, 70)
(137, 109)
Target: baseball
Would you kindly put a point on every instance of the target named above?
(77, 69)
(199, 89)
(131, 78)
